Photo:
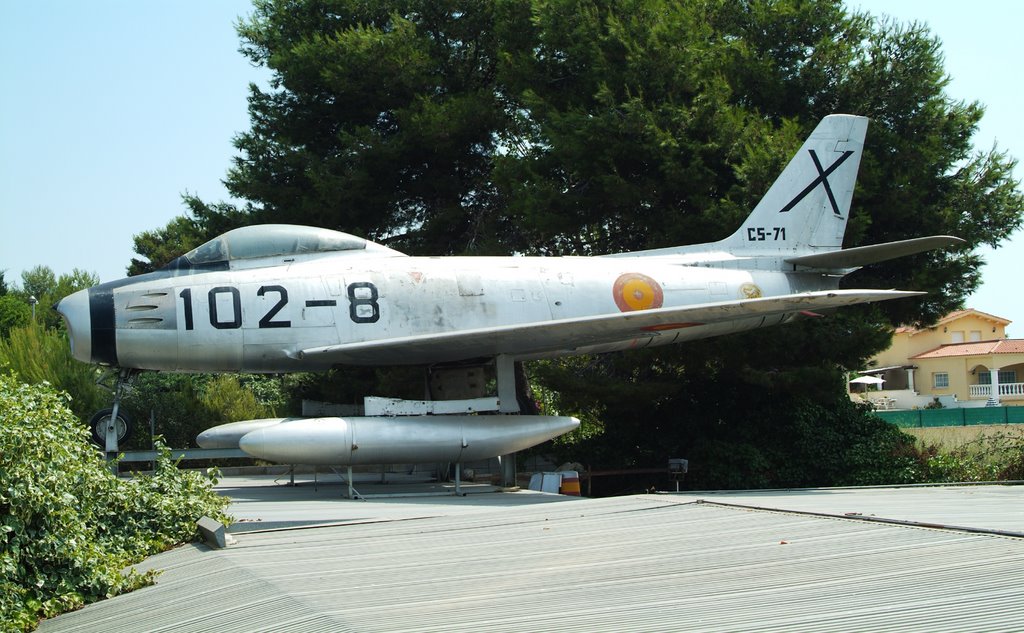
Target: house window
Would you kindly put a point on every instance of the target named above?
(975, 335)
(1006, 377)
(958, 336)
(940, 380)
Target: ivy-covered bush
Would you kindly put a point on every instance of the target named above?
(69, 528)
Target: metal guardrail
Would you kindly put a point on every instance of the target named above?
(184, 453)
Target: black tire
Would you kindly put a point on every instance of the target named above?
(98, 427)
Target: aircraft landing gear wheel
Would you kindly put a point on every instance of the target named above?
(98, 426)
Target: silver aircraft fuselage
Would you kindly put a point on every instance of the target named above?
(264, 317)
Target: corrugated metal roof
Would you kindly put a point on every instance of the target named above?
(998, 508)
(643, 563)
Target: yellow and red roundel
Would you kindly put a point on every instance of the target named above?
(635, 291)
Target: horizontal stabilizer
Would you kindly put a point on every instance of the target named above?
(564, 336)
(864, 255)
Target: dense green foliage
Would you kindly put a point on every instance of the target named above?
(991, 457)
(38, 354)
(47, 288)
(593, 126)
(37, 349)
(68, 527)
(791, 429)
(184, 405)
(13, 313)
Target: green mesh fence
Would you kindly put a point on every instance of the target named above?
(922, 418)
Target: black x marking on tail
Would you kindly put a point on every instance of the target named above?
(821, 179)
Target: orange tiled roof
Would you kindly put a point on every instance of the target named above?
(980, 348)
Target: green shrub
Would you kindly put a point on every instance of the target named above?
(990, 457)
(183, 405)
(37, 354)
(13, 313)
(176, 402)
(68, 527)
(229, 401)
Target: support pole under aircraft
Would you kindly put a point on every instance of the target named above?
(110, 444)
(505, 374)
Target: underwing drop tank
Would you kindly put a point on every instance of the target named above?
(357, 441)
(228, 435)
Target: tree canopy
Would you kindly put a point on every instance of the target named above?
(41, 283)
(593, 126)
(587, 127)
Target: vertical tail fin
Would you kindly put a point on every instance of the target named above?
(807, 207)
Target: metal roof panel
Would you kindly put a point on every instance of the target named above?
(642, 563)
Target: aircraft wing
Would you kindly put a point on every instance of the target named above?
(565, 336)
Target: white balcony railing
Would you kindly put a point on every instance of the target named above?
(1007, 389)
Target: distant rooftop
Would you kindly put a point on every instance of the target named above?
(953, 316)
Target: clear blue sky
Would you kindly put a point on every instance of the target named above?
(112, 109)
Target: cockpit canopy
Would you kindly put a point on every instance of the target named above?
(268, 240)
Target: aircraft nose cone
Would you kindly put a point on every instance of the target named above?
(253, 443)
(229, 435)
(75, 310)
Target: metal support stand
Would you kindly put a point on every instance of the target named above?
(678, 467)
(291, 477)
(352, 492)
(505, 374)
(111, 447)
(458, 479)
(508, 470)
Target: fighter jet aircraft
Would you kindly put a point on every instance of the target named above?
(282, 298)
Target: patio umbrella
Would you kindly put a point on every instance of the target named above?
(867, 380)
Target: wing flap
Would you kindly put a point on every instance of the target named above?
(567, 335)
